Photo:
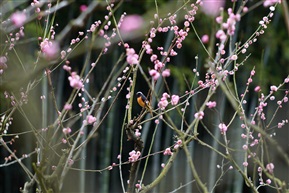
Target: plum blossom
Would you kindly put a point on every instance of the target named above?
(205, 38)
(90, 119)
(163, 104)
(212, 8)
(138, 186)
(245, 164)
(164, 101)
(154, 74)
(273, 88)
(133, 156)
(223, 128)
(270, 167)
(268, 3)
(66, 130)
(83, 8)
(168, 151)
(199, 115)
(153, 57)
(137, 133)
(178, 143)
(166, 73)
(211, 104)
(131, 23)
(67, 106)
(131, 56)
(75, 81)
(175, 99)
(221, 35)
(49, 48)
(229, 26)
(234, 57)
(257, 89)
(18, 18)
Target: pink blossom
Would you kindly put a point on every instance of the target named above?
(66, 130)
(90, 119)
(205, 38)
(63, 54)
(83, 8)
(165, 95)
(212, 8)
(67, 106)
(137, 133)
(18, 18)
(75, 81)
(64, 141)
(163, 104)
(50, 49)
(154, 74)
(234, 57)
(273, 88)
(138, 186)
(158, 65)
(199, 115)
(219, 19)
(175, 99)
(131, 23)
(223, 128)
(270, 167)
(132, 57)
(257, 89)
(153, 57)
(176, 146)
(133, 156)
(67, 68)
(168, 151)
(211, 104)
(245, 9)
(221, 35)
(157, 121)
(245, 164)
(229, 25)
(268, 3)
(268, 181)
(166, 73)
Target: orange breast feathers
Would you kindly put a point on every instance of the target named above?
(142, 100)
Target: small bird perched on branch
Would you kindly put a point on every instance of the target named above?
(143, 102)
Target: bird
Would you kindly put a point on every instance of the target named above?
(143, 102)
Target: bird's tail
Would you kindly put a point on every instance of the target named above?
(150, 110)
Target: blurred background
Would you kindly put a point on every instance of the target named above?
(268, 56)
